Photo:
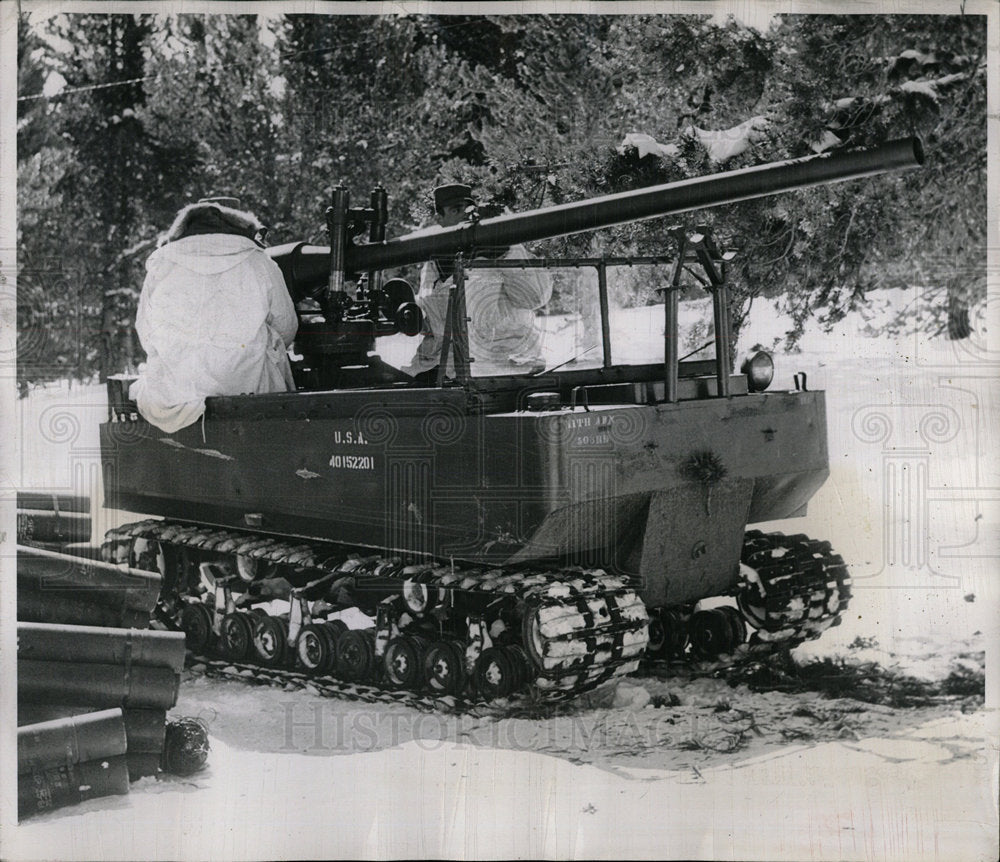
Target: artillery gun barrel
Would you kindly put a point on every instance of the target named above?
(309, 265)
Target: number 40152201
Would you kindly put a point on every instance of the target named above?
(352, 462)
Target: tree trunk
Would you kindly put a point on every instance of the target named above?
(959, 325)
(107, 353)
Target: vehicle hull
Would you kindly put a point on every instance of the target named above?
(662, 492)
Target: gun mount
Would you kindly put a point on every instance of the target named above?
(350, 324)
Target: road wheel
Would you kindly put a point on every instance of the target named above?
(196, 623)
(313, 648)
(270, 640)
(403, 661)
(235, 636)
(711, 634)
(656, 648)
(675, 631)
(520, 665)
(356, 655)
(494, 674)
(444, 668)
(737, 625)
(336, 627)
(333, 630)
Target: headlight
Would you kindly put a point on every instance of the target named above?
(759, 370)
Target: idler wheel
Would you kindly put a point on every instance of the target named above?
(444, 667)
(196, 623)
(711, 634)
(270, 640)
(314, 648)
(494, 673)
(356, 654)
(235, 636)
(403, 660)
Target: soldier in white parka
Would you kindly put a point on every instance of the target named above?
(214, 316)
(504, 337)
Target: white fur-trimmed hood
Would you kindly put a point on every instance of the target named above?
(229, 220)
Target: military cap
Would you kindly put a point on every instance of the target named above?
(232, 203)
(450, 194)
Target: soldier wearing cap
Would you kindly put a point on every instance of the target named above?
(214, 315)
(504, 337)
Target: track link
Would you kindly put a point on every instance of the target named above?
(553, 633)
(801, 587)
(328, 686)
(792, 589)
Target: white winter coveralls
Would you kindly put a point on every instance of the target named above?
(500, 304)
(214, 319)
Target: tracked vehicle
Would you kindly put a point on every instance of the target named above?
(531, 531)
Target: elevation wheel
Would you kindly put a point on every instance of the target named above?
(247, 568)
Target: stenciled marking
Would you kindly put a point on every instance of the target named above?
(590, 430)
(589, 420)
(592, 439)
(352, 462)
(352, 438)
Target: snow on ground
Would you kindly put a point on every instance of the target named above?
(662, 766)
(921, 795)
(470, 788)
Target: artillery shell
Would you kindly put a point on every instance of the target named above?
(90, 684)
(66, 741)
(48, 642)
(46, 789)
